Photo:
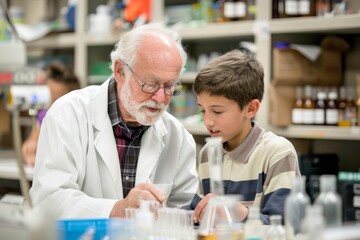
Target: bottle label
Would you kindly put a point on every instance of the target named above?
(319, 116)
(304, 7)
(229, 9)
(240, 9)
(308, 115)
(291, 7)
(296, 116)
(332, 116)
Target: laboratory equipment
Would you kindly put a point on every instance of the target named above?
(330, 201)
(276, 230)
(215, 156)
(222, 219)
(253, 224)
(295, 207)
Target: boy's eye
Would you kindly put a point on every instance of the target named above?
(217, 112)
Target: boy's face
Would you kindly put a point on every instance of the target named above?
(223, 118)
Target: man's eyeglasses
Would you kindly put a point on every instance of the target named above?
(170, 89)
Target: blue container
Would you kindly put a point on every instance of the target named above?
(96, 229)
(75, 229)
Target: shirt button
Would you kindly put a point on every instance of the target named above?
(127, 178)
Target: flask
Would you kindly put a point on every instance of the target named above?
(308, 106)
(276, 230)
(332, 112)
(253, 224)
(320, 108)
(313, 224)
(295, 206)
(330, 201)
(297, 108)
(221, 219)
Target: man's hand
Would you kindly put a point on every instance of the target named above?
(142, 191)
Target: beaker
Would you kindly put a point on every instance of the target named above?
(222, 219)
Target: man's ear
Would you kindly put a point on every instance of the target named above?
(253, 108)
(119, 74)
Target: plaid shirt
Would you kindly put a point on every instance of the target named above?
(128, 141)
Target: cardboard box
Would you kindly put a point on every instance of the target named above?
(290, 67)
(281, 100)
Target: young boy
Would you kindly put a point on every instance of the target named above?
(257, 165)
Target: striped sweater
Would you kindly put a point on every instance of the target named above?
(261, 169)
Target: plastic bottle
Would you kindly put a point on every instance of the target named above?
(276, 230)
(351, 108)
(307, 8)
(330, 201)
(291, 8)
(253, 224)
(295, 206)
(240, 10)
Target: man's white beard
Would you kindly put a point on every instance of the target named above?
(138, 110)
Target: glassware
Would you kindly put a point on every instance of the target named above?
(295, 206)
(222, 219)
(330, 201)
(214, 151)
(276, 231)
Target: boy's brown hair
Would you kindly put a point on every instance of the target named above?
(236, 75)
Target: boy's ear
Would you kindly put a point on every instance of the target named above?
(253, 108)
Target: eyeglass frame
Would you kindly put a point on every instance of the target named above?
(157, 86)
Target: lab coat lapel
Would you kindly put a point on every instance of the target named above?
(104, 137)
(151, 147)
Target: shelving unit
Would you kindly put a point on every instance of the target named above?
(270, 29)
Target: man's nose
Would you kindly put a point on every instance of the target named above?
(159, 96)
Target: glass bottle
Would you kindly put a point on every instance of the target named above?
(307, 8)
(330, 201)
(297, 108)
(308, 106)
(332, 112)
(253, 224)
(320, 108)
(342, 104)
(351, 108)
(251, 9)
(295, 206)
(228, 10)
(313, 224)
(240, 8)
(276, 230)
(291, 8)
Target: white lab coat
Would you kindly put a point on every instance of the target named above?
(77, 172)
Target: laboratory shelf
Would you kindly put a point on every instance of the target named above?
(343, 23)
(216, 30)
(188, 77)
(318, 132)
(55, 40)
(102, 40)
